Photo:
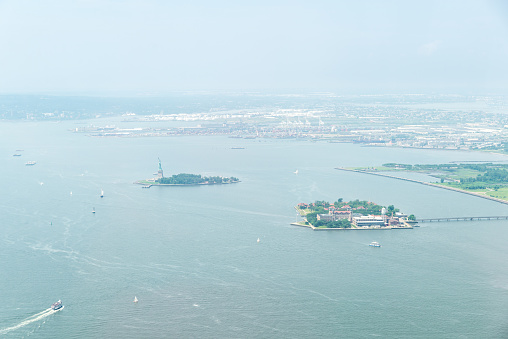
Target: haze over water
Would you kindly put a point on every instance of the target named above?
(190, 254)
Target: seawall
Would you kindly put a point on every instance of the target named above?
(426, 183)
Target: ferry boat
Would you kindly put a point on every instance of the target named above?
(30, 163)
(374, 244)
(56, 306)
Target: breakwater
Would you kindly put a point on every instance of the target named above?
(483, 196)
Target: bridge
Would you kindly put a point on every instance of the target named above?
(501, 217)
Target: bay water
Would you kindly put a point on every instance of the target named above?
(191, 256)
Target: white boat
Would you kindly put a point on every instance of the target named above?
(93, 210)
(135, 299)
(259, 240)
(374, 244)
(295, 172)
(56, 306)
(30, 163)
(102, 193)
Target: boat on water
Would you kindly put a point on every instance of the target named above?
(56, 306)
(374, 244)
(16, 155)
(102, 193)
(135, 299)
(259, 240)
(30, 163)
(93, 210)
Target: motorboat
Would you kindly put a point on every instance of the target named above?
(374, 244)
(56, 306)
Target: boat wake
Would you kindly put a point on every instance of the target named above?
(29, 320)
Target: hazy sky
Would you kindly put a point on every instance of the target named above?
(158, 46)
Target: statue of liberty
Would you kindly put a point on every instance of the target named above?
(160, 174)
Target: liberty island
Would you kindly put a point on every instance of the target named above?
(185, 179)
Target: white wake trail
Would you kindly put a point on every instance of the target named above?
(31, 319)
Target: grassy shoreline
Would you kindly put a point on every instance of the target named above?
(485, 194)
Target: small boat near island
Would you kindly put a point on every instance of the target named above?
(374, 244)
(56, 306)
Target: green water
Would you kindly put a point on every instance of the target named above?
(191, 256)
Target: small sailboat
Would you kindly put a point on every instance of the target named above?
(135, 299)
(102, 193)
(295, 172)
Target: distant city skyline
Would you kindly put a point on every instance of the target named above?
(153, 47)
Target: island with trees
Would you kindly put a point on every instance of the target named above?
(185, 179)
(355, 214)
(486, 179)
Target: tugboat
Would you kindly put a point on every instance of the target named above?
(56, 306)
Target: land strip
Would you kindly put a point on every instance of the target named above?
(426, 183)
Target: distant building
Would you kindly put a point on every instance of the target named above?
(334, 216)
(369, 221)
(325, 217)
(342, 215)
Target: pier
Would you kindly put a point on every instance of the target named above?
(502, 217)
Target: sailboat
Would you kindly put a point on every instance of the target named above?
(295, 172)
(135, 299)
(102, 193)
